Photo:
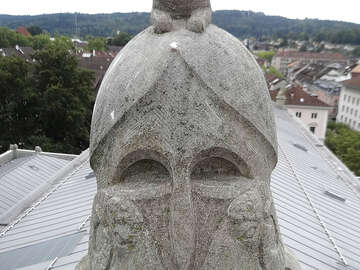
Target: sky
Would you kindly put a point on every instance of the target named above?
(345, 10)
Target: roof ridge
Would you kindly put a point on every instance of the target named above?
(309, 137)
(316, 212)
(79, 162)
(25, 159)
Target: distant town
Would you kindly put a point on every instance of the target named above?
(318, 82)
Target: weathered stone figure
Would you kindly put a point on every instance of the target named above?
(168, 14)
(183, 144)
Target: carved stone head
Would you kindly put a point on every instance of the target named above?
(183, 144)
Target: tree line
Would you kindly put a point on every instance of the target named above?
(46, 102)
(345, 144)
(242, 24)
(39, 40)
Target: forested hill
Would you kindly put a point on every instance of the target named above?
(239, 23)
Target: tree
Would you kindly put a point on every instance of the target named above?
(356, 52)
(266, 55)
(303, 48)
(34, 30)
(273, 71)
(46, 103)
(17, 99)
(345, 144)
(97, 44)
(9, 38)
(65, 95)
(121, 39)
(39, 42)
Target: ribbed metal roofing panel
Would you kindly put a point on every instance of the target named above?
(337, 222)
(317, 227)
(38, 253)
(21, 176)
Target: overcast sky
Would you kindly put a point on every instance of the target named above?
(345, 10)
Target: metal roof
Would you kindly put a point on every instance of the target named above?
(24, 175)
(321, 230)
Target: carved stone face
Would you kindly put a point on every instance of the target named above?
(184, 184)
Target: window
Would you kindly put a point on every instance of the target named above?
(355, 113)
(298, 114)
(314, 115)
(345, 120)
(353, 100)
(347, 109)
(357, 101)
(344, 97)
(343, 108)
(312, 129)
(349, 99)
(341, 118)
(351, 111)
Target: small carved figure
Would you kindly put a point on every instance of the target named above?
(167, 15)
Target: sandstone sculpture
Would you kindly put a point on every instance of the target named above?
(183, 143)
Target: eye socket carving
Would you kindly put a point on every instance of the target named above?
(214, 168)
(219, 164)
(145, 172)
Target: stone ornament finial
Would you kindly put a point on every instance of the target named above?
(169, 15)
(183, 143)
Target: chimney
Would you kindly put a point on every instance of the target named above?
(281, 96)
(356, 72)
(93, 52)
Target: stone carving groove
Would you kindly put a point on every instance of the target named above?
(183, 144)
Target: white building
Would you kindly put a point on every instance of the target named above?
(312, 112)
(349, 101)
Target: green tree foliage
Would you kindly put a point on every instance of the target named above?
(34, 30)
(121, 39)
(9, 38)
(47, 103)
(273, 71)
(39, 42)
(17, 98)
(266, 55)
(345, 144)
(242, 24)
(98, 44)
(356, 52)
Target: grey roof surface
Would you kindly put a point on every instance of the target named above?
(21, 176)
(322, 230)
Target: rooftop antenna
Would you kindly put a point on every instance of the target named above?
(77, 30)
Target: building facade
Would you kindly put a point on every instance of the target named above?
(282, 59)
(349, 102)
(307, 108)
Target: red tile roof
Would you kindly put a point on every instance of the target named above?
(23, 31)
(296, 95)
(312, 55)
(353, 83)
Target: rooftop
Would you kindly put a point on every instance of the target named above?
(23, 31)
(311, 55)
(296, 95)
(317, 205)
(353, 83)
(23, 177)
(23, 52)
(356, 69)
